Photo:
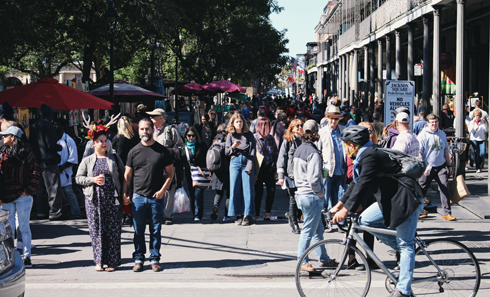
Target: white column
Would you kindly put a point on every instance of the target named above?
(380, 69)
(347, 77)
(398, 49)
(356, 82)
(459, 100)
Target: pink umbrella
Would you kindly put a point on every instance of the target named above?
(224, 86)
(193, 88)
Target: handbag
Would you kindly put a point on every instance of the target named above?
(201, 177)
(457, 189)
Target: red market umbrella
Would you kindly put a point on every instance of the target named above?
(126, 92)
(224, 86)
(191, 89)
(49, 91)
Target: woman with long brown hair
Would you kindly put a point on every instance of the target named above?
(241, 148)
(285, 169)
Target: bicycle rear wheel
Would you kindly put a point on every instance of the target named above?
(460, 270)
(322, 281)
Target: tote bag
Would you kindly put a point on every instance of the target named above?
(201, 177)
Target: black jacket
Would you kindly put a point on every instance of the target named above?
(198, 159)
(396, 201)
(43, 138)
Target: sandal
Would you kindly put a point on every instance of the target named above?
(110, 269)
(98, 268)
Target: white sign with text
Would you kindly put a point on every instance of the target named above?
(398, 93)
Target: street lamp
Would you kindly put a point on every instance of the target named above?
(152, 40)
(111, 21)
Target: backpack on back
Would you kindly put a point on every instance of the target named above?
(216, 158)
(413, 167)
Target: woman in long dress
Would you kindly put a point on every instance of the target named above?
(100, 174)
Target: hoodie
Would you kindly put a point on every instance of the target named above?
(43, 138)
(393, 133)
(308, 174)
(433, 146)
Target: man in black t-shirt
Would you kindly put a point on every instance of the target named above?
(150, 167)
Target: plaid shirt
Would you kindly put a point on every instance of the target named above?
(267, 147)
(18, 179)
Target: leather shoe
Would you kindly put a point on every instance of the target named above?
(156, 267)
(307, 267)
(449, 218)
(138, 267)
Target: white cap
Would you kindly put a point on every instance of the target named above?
(402, 117)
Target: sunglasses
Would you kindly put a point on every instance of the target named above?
(371, 131)
(299, 126)
(191, 135)
(334, 119)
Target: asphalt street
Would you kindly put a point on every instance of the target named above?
(212, 258)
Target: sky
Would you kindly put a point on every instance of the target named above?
(300, 19)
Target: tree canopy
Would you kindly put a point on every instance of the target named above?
(212, 39)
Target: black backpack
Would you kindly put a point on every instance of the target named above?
(413, 167)
(216, 158)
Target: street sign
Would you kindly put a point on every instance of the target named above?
(418, 70)
(399, 93)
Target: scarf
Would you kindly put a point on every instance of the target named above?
(355, 168)
(191, 146)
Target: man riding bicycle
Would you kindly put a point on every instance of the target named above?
(399, 200)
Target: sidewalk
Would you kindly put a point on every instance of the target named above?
(209, 258)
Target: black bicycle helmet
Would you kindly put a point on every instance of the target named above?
(355, 134)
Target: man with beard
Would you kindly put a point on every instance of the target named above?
(146, 165)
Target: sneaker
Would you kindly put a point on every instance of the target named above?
(332, 263)
(214, 215)
(138, 267)
(197, 219)
(307, 267)
(238, 221)
(169, 222)
(397, 293)
(423, 214)
(449, 218)
(27, 262)
(478, 171)
(156, 267)
(246, 221)
(226, 219)
(268, 218)
(353, 264)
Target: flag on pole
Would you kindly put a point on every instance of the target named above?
(290, 79)
(301, 70)
(294, 64)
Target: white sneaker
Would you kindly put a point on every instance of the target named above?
(478, 171)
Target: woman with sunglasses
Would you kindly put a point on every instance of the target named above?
(20, 175)
(285, 169)
(241, 147)
(195, 153)
(213, 118)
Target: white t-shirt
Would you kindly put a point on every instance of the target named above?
(68, 154)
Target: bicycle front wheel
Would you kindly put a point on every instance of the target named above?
(349, 281)
(459, 273)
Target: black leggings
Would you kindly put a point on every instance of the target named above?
(267, 176)
(219, 196)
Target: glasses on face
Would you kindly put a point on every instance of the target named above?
(298, 126)
(371, 131)
(212, 113)
(334, 119)
(191, 135)
(434, 122)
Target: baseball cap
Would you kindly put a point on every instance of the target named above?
(158, 112)
(333, 111)
(13, 130)
(310, 127)
(402, 117)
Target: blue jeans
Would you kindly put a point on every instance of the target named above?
(403, 242)
(22, 208)
(312, 206)
(197, 199)
(479, 147)
(334, 189)
(72, 201)
(241, 188)
(141, 209)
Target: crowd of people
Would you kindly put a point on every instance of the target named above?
(312, 149)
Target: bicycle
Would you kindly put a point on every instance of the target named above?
(443, 267)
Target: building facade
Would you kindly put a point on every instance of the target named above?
(442, 45)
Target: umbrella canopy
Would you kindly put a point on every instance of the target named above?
(56, 95)
(238, 96)
(222, 86)
(126, 92)
(193, 88)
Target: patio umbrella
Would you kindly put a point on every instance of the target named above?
(238, 96)
(126, 92)
(193, 88)
(49, 91)
(224, 86)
